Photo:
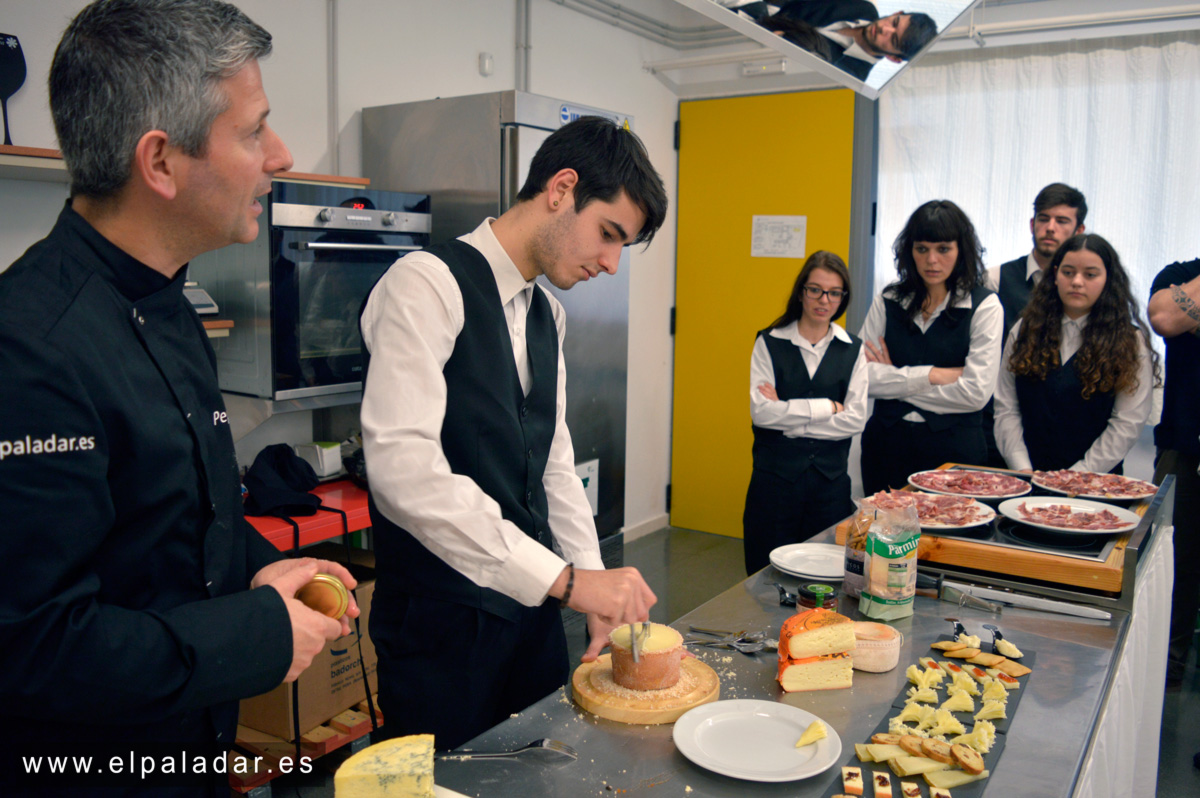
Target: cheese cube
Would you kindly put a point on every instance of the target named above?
(852, 781)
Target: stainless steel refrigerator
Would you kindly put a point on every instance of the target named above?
(471, 154)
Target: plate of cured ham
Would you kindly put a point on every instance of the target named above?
(935, 510)
(1090, 485)
(973, 484)
(1069, 515)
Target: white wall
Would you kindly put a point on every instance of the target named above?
(398, 50)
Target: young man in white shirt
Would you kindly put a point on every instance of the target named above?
(482, 528)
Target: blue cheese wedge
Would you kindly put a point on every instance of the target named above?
(398, 768)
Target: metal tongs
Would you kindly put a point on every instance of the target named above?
(637, 639)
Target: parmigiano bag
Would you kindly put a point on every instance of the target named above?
(890, 564)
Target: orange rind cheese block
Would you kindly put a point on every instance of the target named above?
(815, 632)
(825, 672)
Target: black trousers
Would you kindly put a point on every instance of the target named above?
(456, 671)
(780, 511)
(1185, 597)
(890, 454)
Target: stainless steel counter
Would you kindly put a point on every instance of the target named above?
(1046, 746)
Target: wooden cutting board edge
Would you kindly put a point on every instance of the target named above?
(650, 711)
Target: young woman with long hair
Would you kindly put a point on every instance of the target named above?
(933, 342)
(1075, 385)
(808, 398)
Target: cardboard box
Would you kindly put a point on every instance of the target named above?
(333, 683)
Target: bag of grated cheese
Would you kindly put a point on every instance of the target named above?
(890, 564)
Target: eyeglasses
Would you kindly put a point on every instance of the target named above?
(816, 292)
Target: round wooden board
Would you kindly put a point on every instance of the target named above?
(648, 708)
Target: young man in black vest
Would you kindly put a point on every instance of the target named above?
(1058, 214)
(1175, 315)
(482, 528)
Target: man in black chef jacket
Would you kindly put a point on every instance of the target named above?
(1175, 315)
(139, 605)
(482, 528)
(1058, 214)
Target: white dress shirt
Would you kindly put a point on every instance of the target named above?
(992, 278)
(807, 418)
(409, 325)
(968, 393)
(1129, 414)
(835, 32)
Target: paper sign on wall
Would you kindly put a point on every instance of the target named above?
(589, 472)
(778, 236)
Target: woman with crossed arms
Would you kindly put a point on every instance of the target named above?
(933, 341)
(808, 398)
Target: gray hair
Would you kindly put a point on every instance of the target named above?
(126, 67)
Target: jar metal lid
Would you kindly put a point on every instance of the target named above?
(817, 595)
(326, 594)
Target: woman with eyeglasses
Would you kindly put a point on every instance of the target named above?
(808, 398)
(1075, 389)
(933, 342)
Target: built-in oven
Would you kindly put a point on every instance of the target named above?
(294, 294)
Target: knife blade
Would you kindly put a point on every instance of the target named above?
(1026, 602)
(633, 643)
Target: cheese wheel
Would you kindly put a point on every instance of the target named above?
(876, 647)
(659, 654)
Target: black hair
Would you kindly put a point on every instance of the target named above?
(609, 159)
(921, 30)
(821, 259)
(1061, 194)
(936, 220)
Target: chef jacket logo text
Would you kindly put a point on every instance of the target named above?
(52, 445)
(220, 417)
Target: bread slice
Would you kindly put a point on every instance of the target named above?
(883, 738)
(967, 758)
(912, 744)
(1013, 669)
(936, 749)
(985, 659)
(947, 645)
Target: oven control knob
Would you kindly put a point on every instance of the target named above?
(388, 219)
(326, 215)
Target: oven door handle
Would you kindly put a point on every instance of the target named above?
(352, 247)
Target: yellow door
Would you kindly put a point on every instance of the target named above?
(741, 157)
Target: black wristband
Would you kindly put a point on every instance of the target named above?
(566, 596)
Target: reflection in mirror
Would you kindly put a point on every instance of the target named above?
(859, 43)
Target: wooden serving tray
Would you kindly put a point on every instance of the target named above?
(1019, 562)
(646, 708)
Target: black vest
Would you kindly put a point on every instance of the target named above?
(491, 433)
(945, 345)
(791, 457)
(1059, 426)
(1014, 291)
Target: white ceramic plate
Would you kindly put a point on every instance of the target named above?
(1146, 494)
(1026, 487)
(815, 560)
(988, 515)
(755, 740)
(1009, 509)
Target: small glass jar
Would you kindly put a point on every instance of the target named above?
(816, 595)
(326, 594)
